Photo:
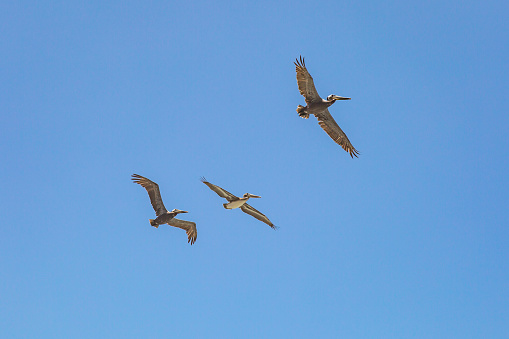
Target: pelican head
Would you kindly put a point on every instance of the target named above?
(249, 195)
(334, 97)
(177, 211)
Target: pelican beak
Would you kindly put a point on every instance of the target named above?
(183, 211)
(337, 97)
(254, 196)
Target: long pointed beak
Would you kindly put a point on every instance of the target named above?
(337, 97)
(183, 211)
(254, 196)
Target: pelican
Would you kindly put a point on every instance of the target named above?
(236, 202)
(318, 106)
(162, 214)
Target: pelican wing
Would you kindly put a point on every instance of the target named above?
(305, 82)
(219, 191)
(153, 192)
(246, 208)
(329, 125)
(188, 226)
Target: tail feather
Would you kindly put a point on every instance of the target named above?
(153, 223)
(302, 112)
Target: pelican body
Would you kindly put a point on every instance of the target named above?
(165, 218)
(238, 202)
(319, 107)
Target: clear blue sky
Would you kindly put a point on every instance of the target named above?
(408, 241)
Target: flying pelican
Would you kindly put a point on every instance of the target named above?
(318, 106)
(236, 202)
(163, 216)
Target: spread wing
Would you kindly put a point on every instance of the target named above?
(246, 208)
(329, 125)
(221, 192)
(305, 82)
(153, 192)
(188, 226)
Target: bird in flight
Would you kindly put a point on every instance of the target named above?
(236, 202)
(162, 214)
(319, 107)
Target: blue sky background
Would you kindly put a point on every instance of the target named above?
(408, 241)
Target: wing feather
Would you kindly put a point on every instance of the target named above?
(188, 226)
(246, 208)
(329, 125)
(305, 82)
(153, 192)
(219, 191)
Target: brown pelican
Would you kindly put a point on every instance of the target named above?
(318, 106)
(163, 216)
(236, 202)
